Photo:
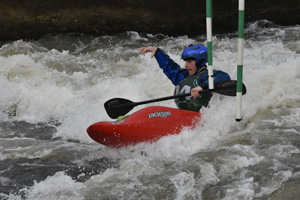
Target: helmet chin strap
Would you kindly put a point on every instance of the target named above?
(200, 69)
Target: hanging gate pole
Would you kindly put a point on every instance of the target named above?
(240, 60)
(209, 43)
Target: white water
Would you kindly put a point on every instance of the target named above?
(220, 159)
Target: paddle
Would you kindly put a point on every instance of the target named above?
(117, 107)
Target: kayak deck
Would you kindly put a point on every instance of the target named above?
(148, 124)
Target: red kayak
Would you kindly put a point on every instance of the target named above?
(148, 124)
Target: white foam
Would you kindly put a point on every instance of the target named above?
(185, 186)
(276, 182)
(243, 189)
(58, 186)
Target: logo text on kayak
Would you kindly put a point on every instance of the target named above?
(160, 114)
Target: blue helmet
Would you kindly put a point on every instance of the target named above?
(197, 52)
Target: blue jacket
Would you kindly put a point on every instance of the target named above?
(176, 74)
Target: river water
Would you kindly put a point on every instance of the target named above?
(53, 88)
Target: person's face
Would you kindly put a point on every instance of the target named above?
(190, 66)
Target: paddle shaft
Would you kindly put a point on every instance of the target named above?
(162, 99)
(133, 104)
(118, 106)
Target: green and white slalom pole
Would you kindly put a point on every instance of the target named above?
(209, 43)
(240, 60)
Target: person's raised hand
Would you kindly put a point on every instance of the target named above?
(152, 50)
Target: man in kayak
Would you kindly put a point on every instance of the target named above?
(191, 79)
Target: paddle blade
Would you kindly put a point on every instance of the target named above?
(228, 88)
(117, 107)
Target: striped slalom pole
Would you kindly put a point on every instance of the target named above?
(209, 43)
(240, 60)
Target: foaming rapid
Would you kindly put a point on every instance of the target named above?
(54, 88)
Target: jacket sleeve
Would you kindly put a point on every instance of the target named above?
(219, 76)
(171, 69)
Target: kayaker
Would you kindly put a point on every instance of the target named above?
(193, 78)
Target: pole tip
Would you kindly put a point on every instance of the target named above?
(238, 120)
